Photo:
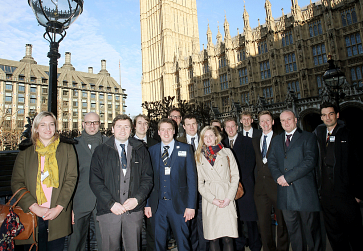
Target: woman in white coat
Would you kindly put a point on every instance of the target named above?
(218, 179)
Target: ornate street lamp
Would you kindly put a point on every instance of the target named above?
(334, 78)
(56, 16)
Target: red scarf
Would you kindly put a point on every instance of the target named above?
(210, 152)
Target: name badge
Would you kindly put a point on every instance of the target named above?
(167, 170)
(43, 176)
(332, 138)
(264, 160)
(182, 153)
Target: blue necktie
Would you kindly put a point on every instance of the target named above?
(123, 157)
(193, 143)
(264, 147)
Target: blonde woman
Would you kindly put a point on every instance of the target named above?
(218, 179)
(48, 170)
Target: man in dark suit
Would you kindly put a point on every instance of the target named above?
(141, 125)
(339, 165)
(266, 189)
(245, 156)
(292, 161)
(121, 177)
(191, 137)
(247, 129)
(174, 196)
(84, 201)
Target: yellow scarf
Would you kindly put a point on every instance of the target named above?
(50, 166)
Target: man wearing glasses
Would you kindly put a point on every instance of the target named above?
(175, 114)
(84, 202)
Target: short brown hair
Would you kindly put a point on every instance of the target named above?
(175, 109)
(166, 120)
(245, 113)
(264, 113)
(121, 117)
(141, 116)
(229, 119)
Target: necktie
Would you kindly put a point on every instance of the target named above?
(264, 147)
(231, 143)
(165, 155)
(328, 138)
(193, 143)
(246, 134)
(288, 136)
(123, 156)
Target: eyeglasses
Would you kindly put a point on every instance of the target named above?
(175, 117)
(88, 123)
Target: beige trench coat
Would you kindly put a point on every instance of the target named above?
(218, 182)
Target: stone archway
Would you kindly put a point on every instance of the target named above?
(351, 113)
(310, 119)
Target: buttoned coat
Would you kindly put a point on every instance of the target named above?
(25, 175)
(297, 163)
(245, 157)
(84, 200)
(183, 178)
(219, 181)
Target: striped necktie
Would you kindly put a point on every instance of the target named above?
(165, 155)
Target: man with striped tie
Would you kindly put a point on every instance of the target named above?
(121, 178)
(173, 199)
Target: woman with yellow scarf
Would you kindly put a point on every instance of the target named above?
(48, 170)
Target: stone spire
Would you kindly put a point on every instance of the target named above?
(227, 34)
(219, 37)
(246, 20)
(209, 37)
(296, 11)
(269, 18)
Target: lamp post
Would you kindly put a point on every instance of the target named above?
(334, 78)
(56, 16)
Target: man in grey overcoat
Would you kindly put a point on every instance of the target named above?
(84, 201)
(292, 162)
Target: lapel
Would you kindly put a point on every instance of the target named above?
(268, 150)
(128, 156)
(295, 138)
(258, 153)
(220, 156)
(174, 154)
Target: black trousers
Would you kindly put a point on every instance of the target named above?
(197, 240)
(343, 222)
(43, 243)
(254, 240)
(264, 203)
(304, 230)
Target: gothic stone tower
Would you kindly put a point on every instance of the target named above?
(169, 31)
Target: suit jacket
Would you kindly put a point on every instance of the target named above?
(245, 157)
(263, 178)
(84, 200)
(255, 134)
(183, 178)
(297, 163)
(151, 142)
(25, 175)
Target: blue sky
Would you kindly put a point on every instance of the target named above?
(110, 30)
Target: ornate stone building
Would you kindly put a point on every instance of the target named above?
(276, 65)
(24, 91)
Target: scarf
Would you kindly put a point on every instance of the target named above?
(50, 165)
(93, 140)
(210, 152)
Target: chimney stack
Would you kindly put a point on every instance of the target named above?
(103, 70)
(28, 55)
(68, 58)
(67, 62)
(90, 70)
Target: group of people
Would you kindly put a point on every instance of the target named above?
(184, 181)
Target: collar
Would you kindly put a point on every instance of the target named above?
(291, 133)
(189, 138)
(117, 142)
(234, 138)
(144, 138)
(269, 135)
